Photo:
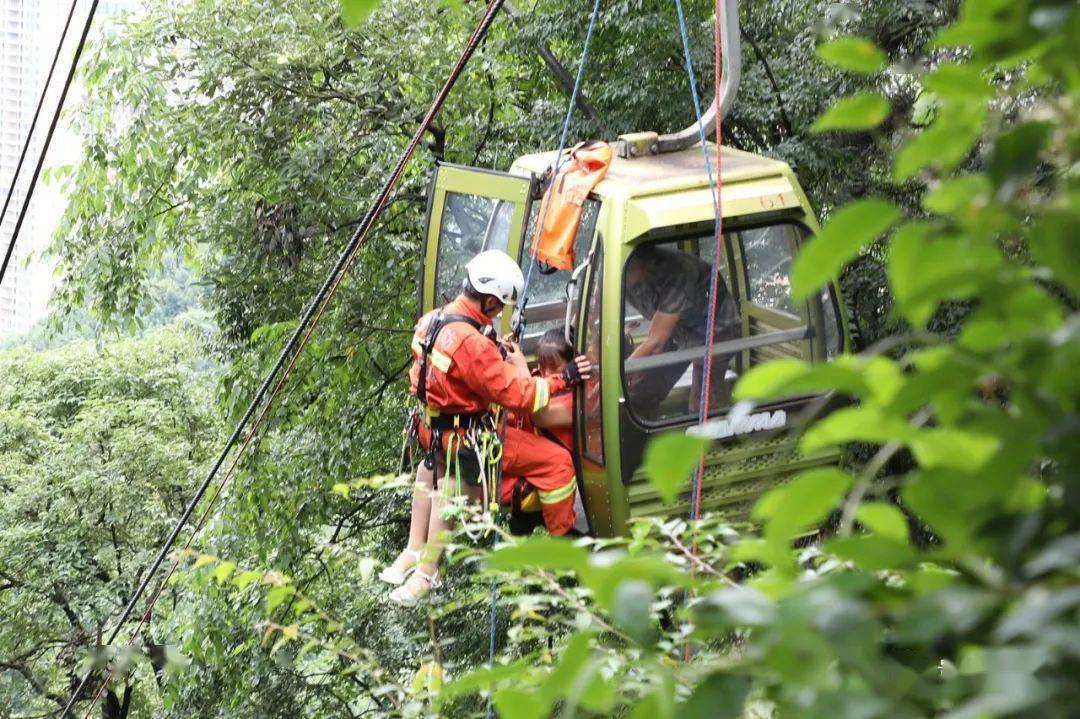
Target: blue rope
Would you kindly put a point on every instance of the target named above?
(684, 37)
(564, 135)
(491, 641)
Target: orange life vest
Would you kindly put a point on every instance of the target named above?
(564, 200)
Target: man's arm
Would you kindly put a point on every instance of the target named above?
(507, 383)
(502, 382)
(660, 331)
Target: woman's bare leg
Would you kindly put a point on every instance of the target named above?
(420, 520)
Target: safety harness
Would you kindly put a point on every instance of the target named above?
(472, 440)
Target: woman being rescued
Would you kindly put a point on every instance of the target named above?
(414, 571)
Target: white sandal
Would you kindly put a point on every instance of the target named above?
(392, 575)
(405, 597)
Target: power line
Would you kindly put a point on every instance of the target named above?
(291, 351)
(48, 136)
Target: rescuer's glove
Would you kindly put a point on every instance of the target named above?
(571, 375)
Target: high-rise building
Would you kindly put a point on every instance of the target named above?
(24, 292)
(29, 31)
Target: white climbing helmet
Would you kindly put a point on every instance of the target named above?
(493, 272)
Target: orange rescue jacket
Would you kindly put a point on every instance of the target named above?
(466, 373)
(564, 200)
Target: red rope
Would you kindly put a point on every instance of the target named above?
(718, 249)
(703, 415)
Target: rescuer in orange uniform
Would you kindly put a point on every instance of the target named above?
(458, 374)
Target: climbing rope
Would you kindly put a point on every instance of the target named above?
(287, 360)
(565, 132)
(718, 233)
(24, 208)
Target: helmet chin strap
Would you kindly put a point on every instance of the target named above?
(486, 307)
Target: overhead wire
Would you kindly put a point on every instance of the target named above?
(25, 205)
(287, 360)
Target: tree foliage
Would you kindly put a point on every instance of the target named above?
(98, 449)
(250, 135)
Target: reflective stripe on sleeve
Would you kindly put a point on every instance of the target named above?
(417, 347)
(442, 362)
(557, 495)
(543, 394)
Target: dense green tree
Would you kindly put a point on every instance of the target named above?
(99, 449)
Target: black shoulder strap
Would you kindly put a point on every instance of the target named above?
(440, 320)
(454, 317)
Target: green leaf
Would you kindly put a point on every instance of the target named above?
(223, 571)
(607, 569)
(863, 111)
(519, 704)
(951, 609)
(204, 559)
(802, 503)
(943, 500)
(1054, 245)
(926, 268)
(884, 519)
(354, 12)
(276, 595)
(856, 424)
(735, 607)
(945, 143)
(669, 460)
(849, 230)
(957, 194)
(598, 693)
(856, 54)
(631, 610)
(486, 677)
(545, 552)
(959, 82)
(860, 376)
(243, 579)
(852, 227)
(953, 448)
(573, 657)
(718, 696)
(1016, 152)
(873, 553)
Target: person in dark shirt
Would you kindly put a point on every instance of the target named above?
(670, 288)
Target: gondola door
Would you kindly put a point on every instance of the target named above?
(469, 210)
(586, 292)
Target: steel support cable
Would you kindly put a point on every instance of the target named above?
(37, 110)
(718, 248)
(24, 208)
(291, 351)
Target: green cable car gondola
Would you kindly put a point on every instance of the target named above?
(655, 202)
